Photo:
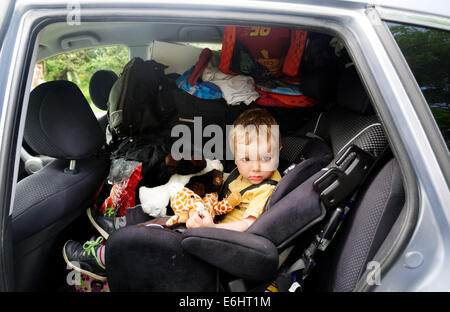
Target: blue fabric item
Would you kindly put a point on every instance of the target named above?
(204, 90)
(279, 87)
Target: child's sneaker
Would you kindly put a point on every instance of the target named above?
(86, 258)
(105, 223)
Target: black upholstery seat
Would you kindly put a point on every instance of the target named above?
(99, 87)
(59, 124)
(365, 229)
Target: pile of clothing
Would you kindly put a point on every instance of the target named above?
(257, 65)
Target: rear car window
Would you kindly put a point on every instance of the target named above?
(427, 52)
(80, 65)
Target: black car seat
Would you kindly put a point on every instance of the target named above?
(59, 124)
(365, 229)
(294, 209)
(99, 87)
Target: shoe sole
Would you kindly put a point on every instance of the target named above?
(72, 266)
(97, 227)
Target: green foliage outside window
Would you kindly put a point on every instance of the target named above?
(79, 66)
(427, 52)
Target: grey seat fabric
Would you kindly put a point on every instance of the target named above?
(99, 87)
(59, 124)
(364, 230)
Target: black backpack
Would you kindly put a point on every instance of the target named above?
(132, 99)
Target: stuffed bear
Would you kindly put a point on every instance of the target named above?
(160, 173)
(154, 200)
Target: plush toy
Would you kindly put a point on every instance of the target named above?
(154, 200)
(186, 200)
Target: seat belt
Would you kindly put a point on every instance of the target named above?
(233, 176)
(339, 185)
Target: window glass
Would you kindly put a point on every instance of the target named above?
(79, 66)
(427, 52)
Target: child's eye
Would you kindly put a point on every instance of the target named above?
(266, 158)
(245, 159)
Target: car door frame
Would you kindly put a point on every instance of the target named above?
(420, 249)
(353, 22)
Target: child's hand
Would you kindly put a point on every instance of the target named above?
(199, 219)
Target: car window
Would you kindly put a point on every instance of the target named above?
(79, 66)
(427, 52)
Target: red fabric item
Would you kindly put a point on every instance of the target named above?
(229, 37)
(280, 50)
(267, 100)
(295, 53)
(122, 195)
(200, 66)
(282, 100)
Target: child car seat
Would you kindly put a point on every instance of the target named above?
(295, 206)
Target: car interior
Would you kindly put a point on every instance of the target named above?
(65, 162)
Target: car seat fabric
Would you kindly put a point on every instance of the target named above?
(364, 230)
(60, 124)
(53, 187)
(350, 121)
(145, 258)
(248, 256)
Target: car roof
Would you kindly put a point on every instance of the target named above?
(131, 34)
(436, 7)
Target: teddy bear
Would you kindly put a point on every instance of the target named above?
(186, 192)
(154, 200)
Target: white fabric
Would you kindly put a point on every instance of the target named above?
(235, 89)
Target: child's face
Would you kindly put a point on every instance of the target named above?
(256, 162)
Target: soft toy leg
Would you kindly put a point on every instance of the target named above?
(173, 220)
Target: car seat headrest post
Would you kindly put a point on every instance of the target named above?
(72, 169)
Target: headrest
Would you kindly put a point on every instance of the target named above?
(320, 84)
(99, 87)
(60, 122)
(351, 94)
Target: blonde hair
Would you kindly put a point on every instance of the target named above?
(253, 124)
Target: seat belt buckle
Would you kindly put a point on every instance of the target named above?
(341, 181)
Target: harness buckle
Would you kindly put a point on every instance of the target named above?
(341, 181)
